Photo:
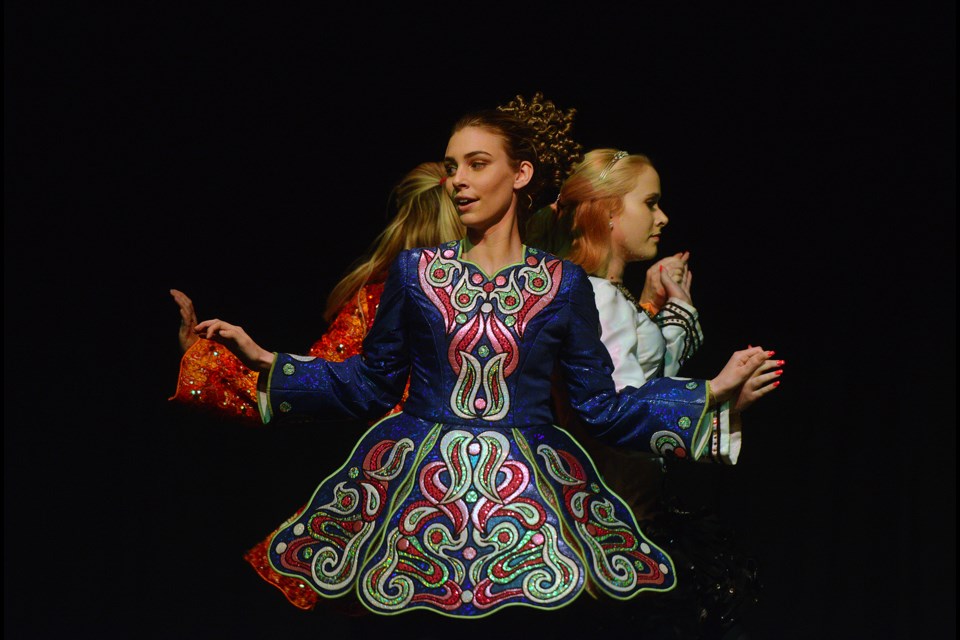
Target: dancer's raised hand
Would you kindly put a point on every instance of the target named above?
(674, 268)
(188, 319)
(677, 282)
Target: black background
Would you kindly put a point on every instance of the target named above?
(244, 155)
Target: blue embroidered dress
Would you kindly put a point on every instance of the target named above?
(470, 500)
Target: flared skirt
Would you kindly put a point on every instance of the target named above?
(465, 520)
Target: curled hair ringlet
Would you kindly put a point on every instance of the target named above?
(556, 149)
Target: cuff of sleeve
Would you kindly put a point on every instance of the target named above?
(730, 437)
(700, 441)
(213, 380)
(725, 436)
(684, 316)
(263, 393)
(702, 437)
(650, 309)
(689, 308)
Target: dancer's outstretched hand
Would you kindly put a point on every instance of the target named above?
(764, 380)
(742, 365)
(188, 319)
(237, 341)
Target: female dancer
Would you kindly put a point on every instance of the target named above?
(468, 500)
(213, 380)
(608, 216)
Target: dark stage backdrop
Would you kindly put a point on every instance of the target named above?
(245, 156)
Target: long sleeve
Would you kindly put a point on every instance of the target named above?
(363, 386)
(662, 415)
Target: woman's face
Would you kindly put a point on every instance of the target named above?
(481, 177)
(636, 231)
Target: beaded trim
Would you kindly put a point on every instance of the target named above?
(673, 314)
(630, 298)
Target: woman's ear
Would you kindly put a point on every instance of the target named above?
(524, 174)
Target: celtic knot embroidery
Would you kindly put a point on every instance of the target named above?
(484, 319)
(621, 562)
(326, 544)
(474, 538)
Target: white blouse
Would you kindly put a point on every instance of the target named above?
(643, 348)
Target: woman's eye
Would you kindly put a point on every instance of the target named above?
(652, 204)
(450, 169)
(477, 164)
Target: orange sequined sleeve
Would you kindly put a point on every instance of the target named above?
(212, 379)
(344, 337)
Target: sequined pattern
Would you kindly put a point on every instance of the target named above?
(213, 380)
(484, 320)
(345, 336)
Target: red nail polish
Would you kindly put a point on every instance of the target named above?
(778, 372)
(770, 353)
(777, 383)
(780, 363)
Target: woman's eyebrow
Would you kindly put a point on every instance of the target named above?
(469, 155)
